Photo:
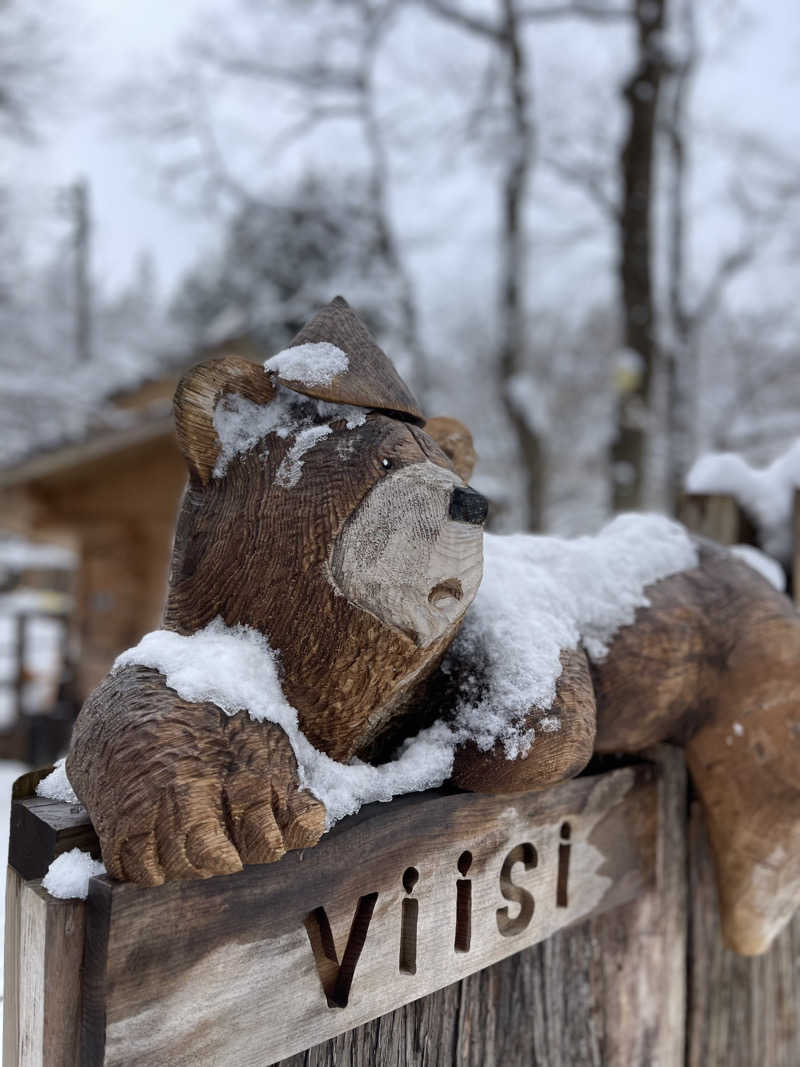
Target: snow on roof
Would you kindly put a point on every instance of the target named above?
(766, 494)
(315, 363)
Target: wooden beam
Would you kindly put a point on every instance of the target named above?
(320, 942)
(713, 515)
(608, 991)
(43, 961)
(42, 829)
(742, 1011)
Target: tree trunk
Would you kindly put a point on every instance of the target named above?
(641, 93)
(513, 266)
(681, 355)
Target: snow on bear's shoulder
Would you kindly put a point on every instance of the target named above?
(539, 595)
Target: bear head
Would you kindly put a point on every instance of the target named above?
(321, 513)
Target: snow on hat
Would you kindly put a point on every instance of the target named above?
(336, 358)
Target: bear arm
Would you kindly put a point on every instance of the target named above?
(562, 744)
(711, 664)
(177, 789)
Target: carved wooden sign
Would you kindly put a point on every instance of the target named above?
(253, 967)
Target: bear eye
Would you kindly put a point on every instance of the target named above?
(387, 464)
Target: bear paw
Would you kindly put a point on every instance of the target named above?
(180, 790)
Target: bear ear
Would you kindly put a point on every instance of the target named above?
(361, 373)
(455, 441)
(196, 398)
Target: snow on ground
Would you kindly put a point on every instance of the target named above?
(766, 494)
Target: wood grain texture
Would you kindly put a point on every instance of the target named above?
(607, 993)
(370, 380)
(43, 961)
(717, 516)
(11, 967)
(177, 956)
(555, 755)
(711, 663)
(196, 398)
(742, 1012)
(243, 541)
(455, 441)
(181, 790)
(42, 829)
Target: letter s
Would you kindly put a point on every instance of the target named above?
(526, 855)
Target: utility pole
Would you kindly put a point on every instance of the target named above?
(81, 248)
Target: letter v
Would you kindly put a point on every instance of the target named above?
(337, 980)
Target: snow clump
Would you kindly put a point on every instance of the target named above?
(241, 424)
(316, 363)
(68, 875)
(56, 785)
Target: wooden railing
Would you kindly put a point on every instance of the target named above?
(719, 516)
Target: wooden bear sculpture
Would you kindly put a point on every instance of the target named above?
(328, 534)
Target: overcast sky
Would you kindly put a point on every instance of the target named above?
(754, 81)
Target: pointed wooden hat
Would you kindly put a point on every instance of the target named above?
(366, 378)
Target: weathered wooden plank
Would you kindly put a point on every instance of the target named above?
(606, 993)
(11, 966)
(43, 983)
(742, 1012)
(223, 970)
(42, 829)
(714, 515)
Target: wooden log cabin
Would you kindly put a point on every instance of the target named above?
(112, 497)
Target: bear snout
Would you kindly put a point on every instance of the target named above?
(468, 505)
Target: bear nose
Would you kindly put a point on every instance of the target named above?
(468, 505)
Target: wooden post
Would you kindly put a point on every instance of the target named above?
(610, 991)
(713, 515)
(289, 945)
(740, 1011)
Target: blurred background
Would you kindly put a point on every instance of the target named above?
(573, 225)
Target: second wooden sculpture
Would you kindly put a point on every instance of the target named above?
(325, 519)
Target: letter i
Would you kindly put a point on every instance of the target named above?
(408, 923)
(563, 866)
(463, 904)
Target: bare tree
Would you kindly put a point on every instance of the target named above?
(325, 90)
(760, 205)
(635, 238)
(508, 36)
(30, 62)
